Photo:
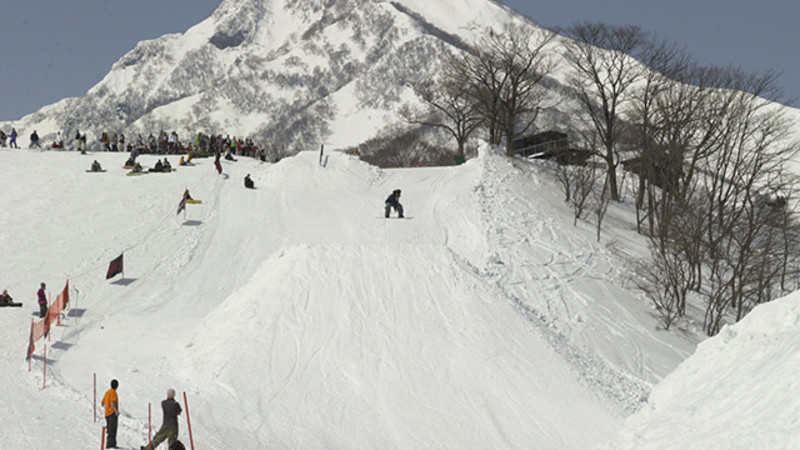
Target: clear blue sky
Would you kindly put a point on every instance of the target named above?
(52, 49)
(755, 36)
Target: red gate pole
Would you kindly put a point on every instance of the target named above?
(47, 316)
(188, 421)
(103, 439)
(44, 376)
(30, 343)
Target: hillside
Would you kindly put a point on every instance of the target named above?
(296, 316)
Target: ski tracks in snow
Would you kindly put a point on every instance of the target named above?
(529, 263)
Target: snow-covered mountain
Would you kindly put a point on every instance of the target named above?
(295, 316)
(285, 72)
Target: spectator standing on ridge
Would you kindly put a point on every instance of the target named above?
(169, 426)
(13, 141)
(393, 201)
(42, 299)
(111, 403)
(35, 140)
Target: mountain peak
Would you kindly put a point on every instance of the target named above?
(290, 74)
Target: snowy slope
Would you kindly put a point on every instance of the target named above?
(295, 316)
(738, 391)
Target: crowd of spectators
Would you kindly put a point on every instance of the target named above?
(165, 144)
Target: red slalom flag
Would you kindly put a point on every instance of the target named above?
(115, 267)
(31, 347)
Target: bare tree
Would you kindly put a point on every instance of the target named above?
(505, 78)
(603, 69)
(450, 107)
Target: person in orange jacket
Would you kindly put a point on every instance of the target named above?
(111, 403)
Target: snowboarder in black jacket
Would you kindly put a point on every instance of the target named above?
(393, 201)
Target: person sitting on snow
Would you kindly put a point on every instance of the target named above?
(167, 166)
(159, 167)
(248, 182)
(96, 166)
(5, 298)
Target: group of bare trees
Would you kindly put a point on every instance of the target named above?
(719, 223)
(709, 147)
(499, 84)
(711, 154)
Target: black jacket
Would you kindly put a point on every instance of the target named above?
(393, 199)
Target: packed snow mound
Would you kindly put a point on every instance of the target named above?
(738, 391)
(338, 333)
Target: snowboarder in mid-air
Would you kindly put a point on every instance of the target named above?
(393, 201)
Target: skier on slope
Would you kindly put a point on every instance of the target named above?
(393, 201)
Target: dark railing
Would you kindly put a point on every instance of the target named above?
(544, 148)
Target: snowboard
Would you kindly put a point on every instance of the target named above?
(194, 202)
(95, 171)
(133, 174)
(10, 304)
